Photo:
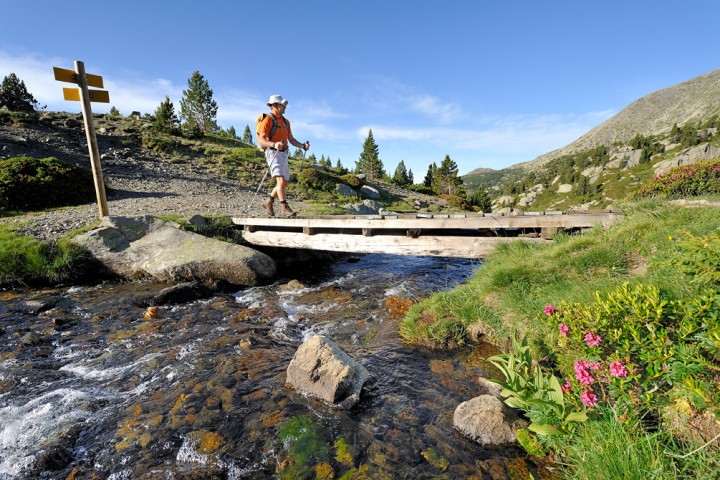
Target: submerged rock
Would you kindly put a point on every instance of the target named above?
(320, 369)
(180, 293)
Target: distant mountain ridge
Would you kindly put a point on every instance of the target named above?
(673, 126)
(652, 114)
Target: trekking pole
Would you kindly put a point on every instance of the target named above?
(247, 207)
(302, 164)
(303, 159)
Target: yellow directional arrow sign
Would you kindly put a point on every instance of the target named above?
(85, 97)
(73, 95)
(65, 75)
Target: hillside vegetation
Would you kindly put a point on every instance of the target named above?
(674, 126)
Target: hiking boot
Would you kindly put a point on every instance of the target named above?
(286, 210)
(268, 202)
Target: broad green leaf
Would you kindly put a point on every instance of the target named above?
(555, 393)
(576, 417)
(544, 429)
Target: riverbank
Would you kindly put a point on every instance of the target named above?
(622, 329)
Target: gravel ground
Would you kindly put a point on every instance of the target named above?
(139, 181)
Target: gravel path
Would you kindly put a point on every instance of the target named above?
(138, 181)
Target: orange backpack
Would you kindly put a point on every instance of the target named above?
(259, 120)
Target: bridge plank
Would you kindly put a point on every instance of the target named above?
(572, 220)
(438, 246)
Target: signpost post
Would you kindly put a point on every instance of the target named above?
(85, 96)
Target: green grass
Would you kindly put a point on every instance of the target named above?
(27, 261)
(518, 279)
(606, 449)
(609, 450)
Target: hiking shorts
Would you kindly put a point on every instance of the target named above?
(278, 163)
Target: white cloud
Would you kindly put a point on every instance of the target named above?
(388, 94)
(434, 108)
(142, 96)
(36, 72)
(515, 134)
(238, 108)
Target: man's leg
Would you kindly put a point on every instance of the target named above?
(281, 186)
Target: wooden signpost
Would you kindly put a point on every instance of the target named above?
(85, 96)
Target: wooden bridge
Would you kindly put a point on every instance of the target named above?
(440, 235)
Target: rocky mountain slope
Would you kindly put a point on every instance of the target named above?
(673, 126)
(653, 114)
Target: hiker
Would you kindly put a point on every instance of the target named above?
(275, 136)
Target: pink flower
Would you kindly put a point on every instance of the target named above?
(584, 377)
(617, 369)
(581, 373)
(566, 388)
(564, 329)
(550, 310)
(589, 399)
(592, 339)
(594, 365)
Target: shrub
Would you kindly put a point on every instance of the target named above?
(455, 201)
(535, 392)
(158, 144)
(352, 180)
(324, 181)
(632, 346)
(28, 183)
(686, 180)
(420, 188)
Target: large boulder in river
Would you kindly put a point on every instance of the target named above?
(320, 369)
(149, 247)
(488, 421)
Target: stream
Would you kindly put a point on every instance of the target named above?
(94, 387)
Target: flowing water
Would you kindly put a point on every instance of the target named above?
(96, 387)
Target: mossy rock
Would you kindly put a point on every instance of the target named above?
(305, 442)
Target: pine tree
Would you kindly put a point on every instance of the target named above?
(481, 199)
(369, 162)
(340, 168)
(411, 178)
(14, 95)
(446, 179)
(231, 132)
(165, 118)
(247, 135)
(430, 175)
(400, 178)
(197, 107)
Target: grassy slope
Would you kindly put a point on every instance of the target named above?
(509, 292)
(515, 283)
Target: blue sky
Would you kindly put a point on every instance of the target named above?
(489, 83)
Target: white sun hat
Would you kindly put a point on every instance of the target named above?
(276, 99)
